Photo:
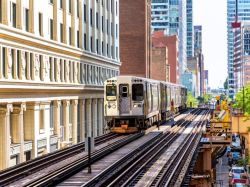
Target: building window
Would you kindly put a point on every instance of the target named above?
(107, 26)
(18, 63)
(51, 1)
(27, 19)
(116, 8)
(112, 6)
(26, 62)
(107, 4)
(51, 68)
(97, 46)
(40, 65)
(116, 52)
(51, 115)
(61, 32)
(13, 61)
(91, 43)
(85, 42)
(85, 13)
(40, 17)
(61, 4)
(77, 8)
(41, 124)
(97, 20)
(107, 49)
(3, 60)
(31, 64)
(70, 9)
(102, 48)
(78, 39)
(112, 32)
(116, 31)
(102, 24)
(70, 39)
(51, 29)
(90, 14)
(13, 15)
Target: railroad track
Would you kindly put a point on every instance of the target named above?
(128, 170)
(174, 170)
(55, 177)
(22, 170)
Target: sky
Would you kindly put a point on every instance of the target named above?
(212, 15)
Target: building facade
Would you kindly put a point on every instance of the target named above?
(241, 56)
(171, 16)
(197, 39)
(243, 16)
(190, 33)
(135, 37)
(160, 40)
(54, 58)
(160, 69)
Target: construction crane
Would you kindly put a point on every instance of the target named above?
(236, 24)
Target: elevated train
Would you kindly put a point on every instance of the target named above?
(133, 103)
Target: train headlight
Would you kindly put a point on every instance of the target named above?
(113, 106)
(137, 105)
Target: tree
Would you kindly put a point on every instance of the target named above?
(239, 104)
(207, 97)
(191, 100)
(200, 99)
(226, 84)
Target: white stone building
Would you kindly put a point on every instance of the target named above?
(54, 58)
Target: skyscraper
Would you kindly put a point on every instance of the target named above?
(243, 9)
(190, 33)
(197, 39)
(170, 16)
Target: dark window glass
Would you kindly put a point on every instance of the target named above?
(40, 23)
(26, 19)
(51, 29)
(77, 8)
(70, 6)
(110, 90)
(91, 21)
(70, 39)
(97, 20)
(78, 40)
(137, 92)
(85, 13)
(13, 15)
(85, 42)
(61, 4)
(61, 32)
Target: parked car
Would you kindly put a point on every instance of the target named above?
(236, 170)
(239, 179)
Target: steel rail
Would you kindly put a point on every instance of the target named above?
(132, 159)
(169, 171)
(22, 170)
(60, 174)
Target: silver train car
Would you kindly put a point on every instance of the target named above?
(133, 103)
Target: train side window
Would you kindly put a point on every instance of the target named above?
(137, 92)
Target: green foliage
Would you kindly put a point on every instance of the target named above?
(243, 161)
(239, 100)
(191, 100)
(226, 84)
(207, 97)
(200, 99)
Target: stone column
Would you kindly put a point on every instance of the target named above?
(32, 125)
(80, 23)
(5, 140)
(31, 16)
(94, 117)
(19, 18)
(66, 104)
(18, 128)
(100, 116)
(8, 63)
(89, 117)
(74, 120)
(5, 12)
(57, 105)
(82, 119)
(73, 22)
(28, 66)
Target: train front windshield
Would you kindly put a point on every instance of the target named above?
(137, 92)
(111, 92)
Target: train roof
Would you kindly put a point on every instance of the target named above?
(146, 79)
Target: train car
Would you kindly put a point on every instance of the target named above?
(132, 103)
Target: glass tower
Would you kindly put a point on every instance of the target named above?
(243, 15)
(170, 16)
(190, 34)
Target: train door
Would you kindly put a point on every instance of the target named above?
(124, 100)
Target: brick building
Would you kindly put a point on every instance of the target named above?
(135, 38)
(160, 69)
(159, 39)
